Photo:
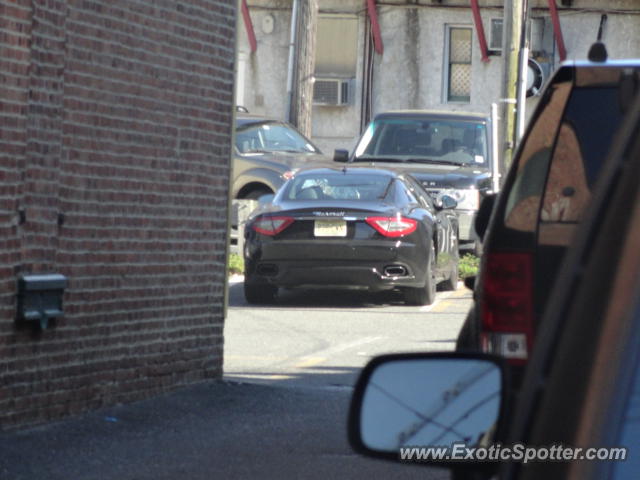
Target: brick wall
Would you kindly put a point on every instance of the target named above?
(115, 126)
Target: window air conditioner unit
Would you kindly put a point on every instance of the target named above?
(332, 91)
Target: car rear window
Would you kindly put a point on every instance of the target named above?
(559, 167)
(338, 187)
(595, 114)
(590, 121)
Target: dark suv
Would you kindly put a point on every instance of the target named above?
(542, 201)
(448, 152)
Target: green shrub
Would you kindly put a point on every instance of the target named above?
(468, 266)
(236, 264)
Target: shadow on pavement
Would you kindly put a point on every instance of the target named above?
(217, 429)
(292, 426)
(313, 298)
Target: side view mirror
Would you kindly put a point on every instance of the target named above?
(341, 155)
(446, 202)
(484, 214)
(441, 400)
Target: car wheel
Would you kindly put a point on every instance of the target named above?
(257, 193)
(259, 293)
(424, 295)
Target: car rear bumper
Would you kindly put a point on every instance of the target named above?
(366, 251)
(357, 275)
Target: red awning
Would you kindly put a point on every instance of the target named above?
(557, 31)
(375, 26)
(249, 26)
(477, 18)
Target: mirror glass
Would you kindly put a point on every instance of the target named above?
(448, 202)
(430, 402)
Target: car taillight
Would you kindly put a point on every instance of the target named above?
(271, 225)
(289, 174)
(393, 226)
(507, 305)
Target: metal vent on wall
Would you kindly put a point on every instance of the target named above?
(331, 91)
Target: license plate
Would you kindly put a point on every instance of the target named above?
(330, 228)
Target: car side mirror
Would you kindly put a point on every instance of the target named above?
(445, 400)
(341, 155)
(484, 214)
(446, 202)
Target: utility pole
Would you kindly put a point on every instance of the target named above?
(513, 22)
(305, 16)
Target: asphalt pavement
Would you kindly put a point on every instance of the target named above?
(291, 425)
(213, 430)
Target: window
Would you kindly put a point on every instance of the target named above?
(338, 186)
(561, 159)
(458, 64)
(336, 46)
(336, 59)
(271, 137)
(425, 139)
(495, 40)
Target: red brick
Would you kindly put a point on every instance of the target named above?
(118, 155)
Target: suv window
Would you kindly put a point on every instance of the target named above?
(560, 171)
(588, 126)
(271, 137)
(523, 202)
(424, 139)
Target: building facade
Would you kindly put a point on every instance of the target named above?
(429, 55)
(115, 134)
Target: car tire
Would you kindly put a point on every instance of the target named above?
(259, 293)
(424, 295)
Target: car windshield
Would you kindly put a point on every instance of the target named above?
(338, 186)
(423, 140)
(270, 137)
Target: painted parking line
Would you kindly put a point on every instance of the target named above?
(442, 302)
(257, 376)
(439, 299)
(312, 360)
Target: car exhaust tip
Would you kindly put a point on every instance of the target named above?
(395, 271)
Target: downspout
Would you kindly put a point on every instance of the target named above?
(557, 31)
(292, 56)
(495, 153)
(477, 18)
(524, 68)
(367, 74)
